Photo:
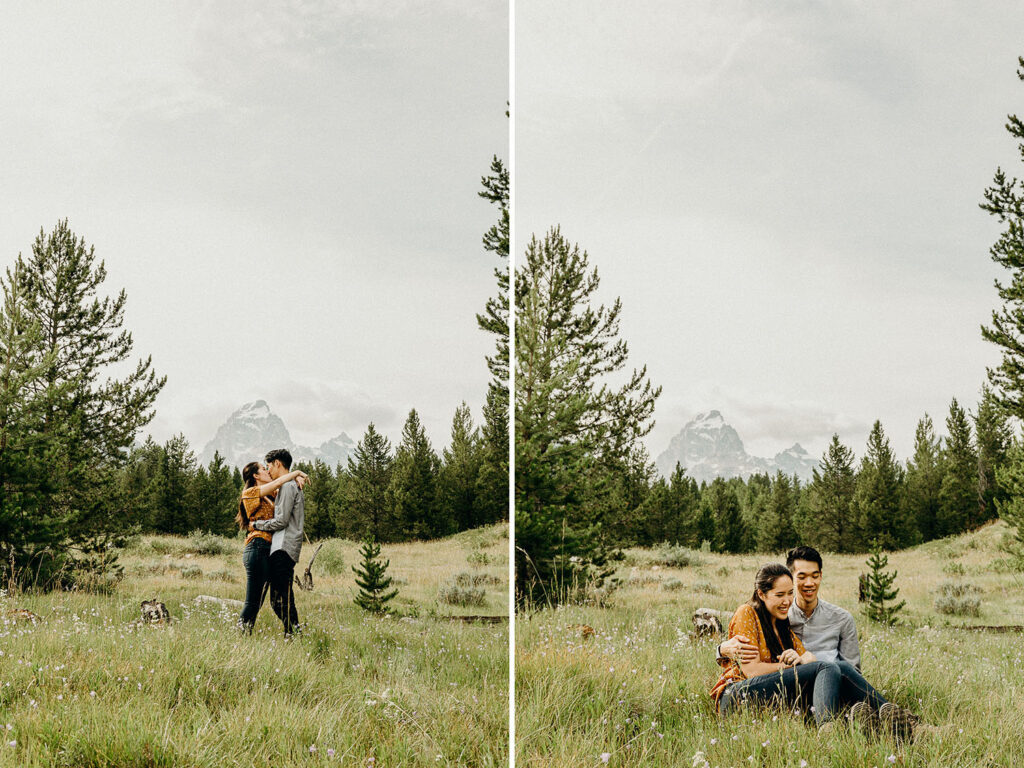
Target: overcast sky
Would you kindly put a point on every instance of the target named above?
(287, 192)
(785, 195)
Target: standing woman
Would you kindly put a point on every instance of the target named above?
(257, 503)
(784, 672)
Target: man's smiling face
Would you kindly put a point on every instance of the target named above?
(807, 577)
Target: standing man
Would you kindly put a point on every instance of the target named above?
(286, 543)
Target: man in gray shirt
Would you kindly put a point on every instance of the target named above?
(286, 543)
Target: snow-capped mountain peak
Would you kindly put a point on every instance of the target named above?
(254, 411)
(707, 447)
(254, 429)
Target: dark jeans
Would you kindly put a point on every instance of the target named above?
(256, 558)
(282, 599)
(854, 682)
(820, 687)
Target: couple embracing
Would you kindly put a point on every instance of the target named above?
(271, 511)
(804, 654)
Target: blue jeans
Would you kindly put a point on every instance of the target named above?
(256, 558)
(854, 683)
(820, 687)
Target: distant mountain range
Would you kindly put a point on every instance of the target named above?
(253, 430)
(708, 448)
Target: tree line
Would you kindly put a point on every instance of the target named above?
(949, 485)
(407, 493)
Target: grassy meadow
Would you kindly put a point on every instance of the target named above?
(635, 691)
(90, 685)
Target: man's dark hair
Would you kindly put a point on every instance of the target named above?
(282, 455)
(810, 554)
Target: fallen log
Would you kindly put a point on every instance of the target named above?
(222, 602)
(1003, 629)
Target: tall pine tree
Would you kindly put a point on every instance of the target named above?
(491, 493)
(879, 487)
(924, 480)
(1004, 199)
(31, 541)
(460, 467)
(90, 417)
(321, 497)
(367, 500)
(570, 420)
(993, 436)
(958, 494)
(830, 522)
(724, 507)
(414, 485)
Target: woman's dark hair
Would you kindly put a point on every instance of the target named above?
(249, 478)
(763, 582)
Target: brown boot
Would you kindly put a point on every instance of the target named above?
(864, 718)
(899, 722)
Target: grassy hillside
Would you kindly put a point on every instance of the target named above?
(90, 686)
(635, 692)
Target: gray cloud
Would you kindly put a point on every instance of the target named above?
(286, 191)
(784, 196)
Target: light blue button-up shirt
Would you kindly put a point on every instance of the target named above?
(830, 633)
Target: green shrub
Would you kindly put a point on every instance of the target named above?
(165, 546)
(957, 589)
(954, 569)
(200, 543)
(676, 556)
(643, 579)
(150, 569)
(330, 560)
(958, 599)
(467, 579)
(706, 587)
(453, 594)
(478, 559)
(97, 582)
(222, 575)
(969, 605)
(191, 572)
(671, 585)
(1007, 565)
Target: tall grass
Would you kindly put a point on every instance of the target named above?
(635, 691)
(91, 686)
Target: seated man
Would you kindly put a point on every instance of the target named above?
(830, 633)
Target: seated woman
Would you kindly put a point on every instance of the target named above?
(784, 671)
(257, 503)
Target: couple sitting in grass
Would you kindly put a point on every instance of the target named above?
(803, 653)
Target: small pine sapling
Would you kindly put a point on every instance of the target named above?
(880, 590)
(372, 581)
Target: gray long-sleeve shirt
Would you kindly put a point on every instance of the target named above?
(286, 525)
(830, 633)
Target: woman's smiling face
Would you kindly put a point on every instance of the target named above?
(263, 476)
(778, 599)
